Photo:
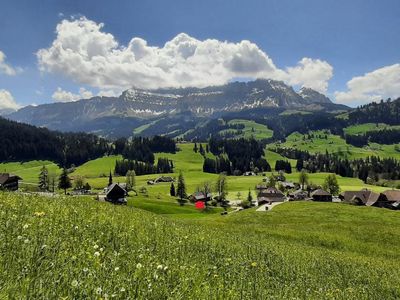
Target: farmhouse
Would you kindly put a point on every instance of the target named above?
(200, 196)
(161, 179)
(390, 199)
(116, 194)
(9, 181)
(321, 196)
(270, 195)
(287, 184)
(363, 197)
(298, 195)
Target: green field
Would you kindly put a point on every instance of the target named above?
(78, 248)
(251, 129)
(324, 141)
(363, 128)
(29, 171)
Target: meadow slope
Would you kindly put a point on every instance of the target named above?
(78, 248)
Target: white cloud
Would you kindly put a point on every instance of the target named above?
(312, 73)
(7, 101)
(379, 84)
(84, 52)
(6, 68)
(61, 95)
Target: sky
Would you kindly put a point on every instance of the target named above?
(65, 50)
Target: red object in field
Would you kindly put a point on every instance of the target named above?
(200, 205)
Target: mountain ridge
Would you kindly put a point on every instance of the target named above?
(139, 105)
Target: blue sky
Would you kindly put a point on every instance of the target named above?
(342, 40)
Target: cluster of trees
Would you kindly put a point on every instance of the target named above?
(387, 112)
(385, 136)
(218, 165)
(370, 169)
(143, 149)
(200, 149)
(26, 142)
(164, 165)
(214, 127)
(283, 165)
(236, 156)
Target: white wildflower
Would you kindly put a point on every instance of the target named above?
(97, 254)
(116, 269)
(75, 283)
(95, 247)
(139, 266)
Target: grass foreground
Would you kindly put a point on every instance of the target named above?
(78, 248)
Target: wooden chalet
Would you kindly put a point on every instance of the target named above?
(269, 195)
(9, 182)
(363, 197)
(321, 196)
(200, 196)
(390, 199)
(116, 194)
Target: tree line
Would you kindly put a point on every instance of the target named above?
(123, 166)
(235, 156)
(369, 169)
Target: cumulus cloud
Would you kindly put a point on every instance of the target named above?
(379, 84)
(312, 73)
(6, 68)
(61, 95)
(84, 52)
(7, 102)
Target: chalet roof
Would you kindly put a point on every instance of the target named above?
(366, 196)
(392, 195)
(115, 186)
(201, 195)
(320, 192)
(4, 177)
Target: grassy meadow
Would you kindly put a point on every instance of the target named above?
(78, 248)
(251, 129)
(323, 141)
(363, 128)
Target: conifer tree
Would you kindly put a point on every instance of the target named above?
(44, 179)
(64, 182)
(172, 190)
(181, 189)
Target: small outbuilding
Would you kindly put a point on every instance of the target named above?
(321, 196)
(9, 182)
(116, 194)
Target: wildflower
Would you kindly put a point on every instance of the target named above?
(74, 283)
(26, 241)
(215, 267)
(116, 269)
(254, 264)
(139, 266)
(44, 246)
(165, 269)
(39, 214)
(97, 254)
(19, 237)
(122, 290)
(85, 270)
(25, 226)
(159, 267)
(98, 291)
(140, 255)
(101, 249)
(95, 247)
(76, 227)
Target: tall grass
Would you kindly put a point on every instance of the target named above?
(75, 248)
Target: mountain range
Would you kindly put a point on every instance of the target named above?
(118, 116)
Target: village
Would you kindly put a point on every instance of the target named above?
(272, 191)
